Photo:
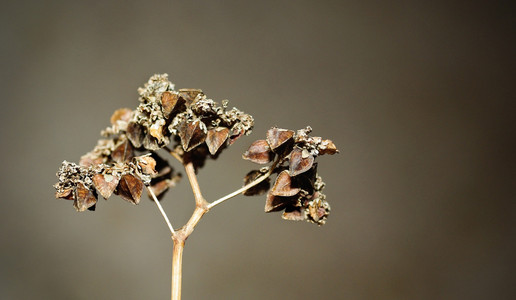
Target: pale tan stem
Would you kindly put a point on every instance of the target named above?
(190, 172)
(177, 266)
(245, 187)
(161, 210)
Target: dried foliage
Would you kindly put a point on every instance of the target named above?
(298, 188)
(125, 159)
(198, 125)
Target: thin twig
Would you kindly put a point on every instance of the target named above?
(245, 187)
(161, 210)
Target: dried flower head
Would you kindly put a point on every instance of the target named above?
(198, 126)
(298, 188)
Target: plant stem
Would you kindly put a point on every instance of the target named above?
(177, 265)
(245, 187)
(190, 172)
(161, 210)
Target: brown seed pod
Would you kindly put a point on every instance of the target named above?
(277, 136)
(284, 186)
(216, 138)
(189, 95)
(150, 143)
(328, 147)
(260, 188)
(192, 134)
(300, 161)
(84, 198)
(66, 194)
(294, 214)
(259, 152)
(147, 165)
(235, 135)
(130, 188)
(122, 114)
(135, 133)
(275, 203)
(169, 101)
(123, 152)
(105, 184)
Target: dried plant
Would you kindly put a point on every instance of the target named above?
(192, 128)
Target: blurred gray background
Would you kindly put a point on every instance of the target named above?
(418, 95)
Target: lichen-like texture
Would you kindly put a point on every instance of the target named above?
(125, 158)
(297, 189)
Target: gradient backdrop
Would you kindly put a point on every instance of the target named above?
(418, 95)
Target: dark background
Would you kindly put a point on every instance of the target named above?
(418, 95)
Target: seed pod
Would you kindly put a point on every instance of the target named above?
(84, 198)
(277, 136)
(150, 143)
(105, 184)
(284, 186)
(135, 134)
(123, 152)
(259, 152)
(216, 138)
(294, 214)
(189, 95)
(147, 165)
(275, 203)
(169, 101)
(122, 114)
(130, 188)
(235, 135)
(300, 161)
(192, 134)
(328, 147)
(66, 194)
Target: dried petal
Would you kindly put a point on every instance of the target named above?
(84, 198)
(259, 152)
(300, 161)
(105, 184)
(216, 138)
(123, 152)
(275, 203)
(294, 214)
(169, 100)
(135, 133)
(130, 188)
(284, 186)
(122, 114)
(260, 188)
(277, 136)
(327, 147)
(192, 134)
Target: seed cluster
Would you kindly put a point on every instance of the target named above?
(298, 188)
(125, 159)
